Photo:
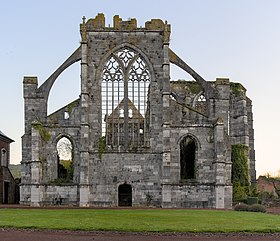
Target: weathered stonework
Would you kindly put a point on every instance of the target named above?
(140, 164)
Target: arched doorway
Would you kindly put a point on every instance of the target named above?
(125, 195)
(187, 158)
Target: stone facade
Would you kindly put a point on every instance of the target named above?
(8, 187)
(176, 153)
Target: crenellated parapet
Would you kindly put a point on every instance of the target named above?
(98, 24)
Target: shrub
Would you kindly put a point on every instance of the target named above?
(249, 208)
(241, 207)
(240, 171)
(257, 208)
(252, 200)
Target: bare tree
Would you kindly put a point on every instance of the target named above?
(275, 182)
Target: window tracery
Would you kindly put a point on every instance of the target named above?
(125, 84)
(201, 104)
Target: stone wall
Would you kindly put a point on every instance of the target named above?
(214, 114)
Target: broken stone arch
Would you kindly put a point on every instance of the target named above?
(45, 88)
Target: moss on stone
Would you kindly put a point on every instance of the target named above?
(44, 134)
(30, 80)
(72, 105)
(237, 89)
(194, 87)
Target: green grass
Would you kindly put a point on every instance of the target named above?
(153, 220)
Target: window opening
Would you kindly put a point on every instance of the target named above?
(201, 104)
(65, 159)
(66, 115)
(130, 113)
(121, 113)
(4, 157)
(6, 192)
(125, 84)
(187, 158)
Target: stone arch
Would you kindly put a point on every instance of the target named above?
(125, 195)
(188, 157)
(208, 89)
(65, 157)
(192, 136)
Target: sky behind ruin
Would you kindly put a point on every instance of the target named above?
(235, 39)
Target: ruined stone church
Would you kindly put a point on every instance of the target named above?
(136, 137)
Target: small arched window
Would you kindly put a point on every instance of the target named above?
(4, 157)
(188, 158)
(201, 104)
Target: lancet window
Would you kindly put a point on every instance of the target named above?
(125, 85)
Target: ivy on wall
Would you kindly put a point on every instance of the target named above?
(237, 89)
(240, 171)
(44, 134)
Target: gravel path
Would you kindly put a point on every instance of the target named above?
(49, 235)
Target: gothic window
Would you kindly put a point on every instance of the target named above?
(65, 159)
(125, 84)
(201, 104)
(187, 158)
(4, 157)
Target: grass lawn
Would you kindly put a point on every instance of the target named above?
(149, 220)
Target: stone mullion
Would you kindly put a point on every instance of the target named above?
(125, 125)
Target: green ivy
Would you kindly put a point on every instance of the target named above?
(237, 89)
(240, 171)
(72, 105)
(44, 134)
(194, 87)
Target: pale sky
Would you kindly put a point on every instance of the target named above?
(238, 39)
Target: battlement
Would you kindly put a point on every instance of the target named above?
(98, 23)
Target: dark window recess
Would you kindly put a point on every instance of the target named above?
(187, 158)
